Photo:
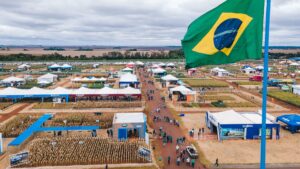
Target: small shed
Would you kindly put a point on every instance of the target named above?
(129, 125)
(127, 70)
(219, 72)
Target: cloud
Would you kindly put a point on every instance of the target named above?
(122, 22)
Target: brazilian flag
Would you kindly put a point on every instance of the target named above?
(229, 33)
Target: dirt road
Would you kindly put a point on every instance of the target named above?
(170, 148)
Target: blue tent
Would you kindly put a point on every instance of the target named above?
(291, 120)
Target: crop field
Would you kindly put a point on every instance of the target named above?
(18, 124)
(247, 83)
(4, 105)
(286, 97)
(83, 151)
(217, 97)
(87, 104)
(205, 83)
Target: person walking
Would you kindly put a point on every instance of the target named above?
(178, 161)
(169, 160)
(188, 161)
(177, 148)
(217, 162)
(193, 163)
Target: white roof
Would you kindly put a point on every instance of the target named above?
(129, 118)
(66, 66)
(170, 64)
(48, 75)
(294, 64)
(296, 86)
(12, 79)
(92, 79)
(54, 66)
(43, 82)
(161, 64)
(158, 70)
(182, 89)
(131, 63)
(10, 91)
(127, 69)
(232, 117)
(169, 78)
(128, 77)
(249, 68)
(139, 63)
(23, 66)
(217, 69)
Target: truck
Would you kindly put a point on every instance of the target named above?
(257, 78)
(279, 82)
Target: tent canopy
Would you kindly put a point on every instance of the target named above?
(129, 118)
(169, 78)
(12, 79)
(183, 90)
(128, 77)
(292, 120)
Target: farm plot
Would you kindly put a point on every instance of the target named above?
(17, 125)
(83, 151)
(285, 96)
(205, 83)
(4, 105)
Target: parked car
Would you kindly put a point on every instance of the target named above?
(192, 151)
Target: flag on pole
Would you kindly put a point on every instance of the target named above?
(229, 33)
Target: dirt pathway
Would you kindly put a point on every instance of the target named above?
(170, 129)
(13, 112)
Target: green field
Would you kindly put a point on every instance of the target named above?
(286, 97)
(247, 83)
(205, 83)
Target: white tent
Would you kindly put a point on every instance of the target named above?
(23, 66)
(183, 90)
(169, 78)
(170, 65)
(50, 78)
(128, 77)
(158, 70)
(139, 63)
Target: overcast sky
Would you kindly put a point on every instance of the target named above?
(122, 22)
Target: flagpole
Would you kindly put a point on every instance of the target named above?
(265, 87)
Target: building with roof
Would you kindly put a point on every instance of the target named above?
(296, 89)
(246, 125)
(169, 80)
(183, 94)
(130, 65)
(158, 72)
(13, 81)
(192, 71)
(47, 78)
(128, 79)
(248, 70)
(127, 70)
(57, 67)
(127, 125)
(219, 72)
(23, 67)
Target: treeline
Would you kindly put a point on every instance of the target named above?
(283, 55)
(174, 54)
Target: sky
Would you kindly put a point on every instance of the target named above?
(123, 22)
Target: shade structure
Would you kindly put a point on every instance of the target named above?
(169, 78)
(291, 120)
(12, 79)
(35, 92)
(183, 90)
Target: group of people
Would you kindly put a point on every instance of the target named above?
(182, 157)
(200, 132)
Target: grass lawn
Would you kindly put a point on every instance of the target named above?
(286, 97)
(205, 83)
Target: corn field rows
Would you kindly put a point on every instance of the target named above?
(83, 151)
